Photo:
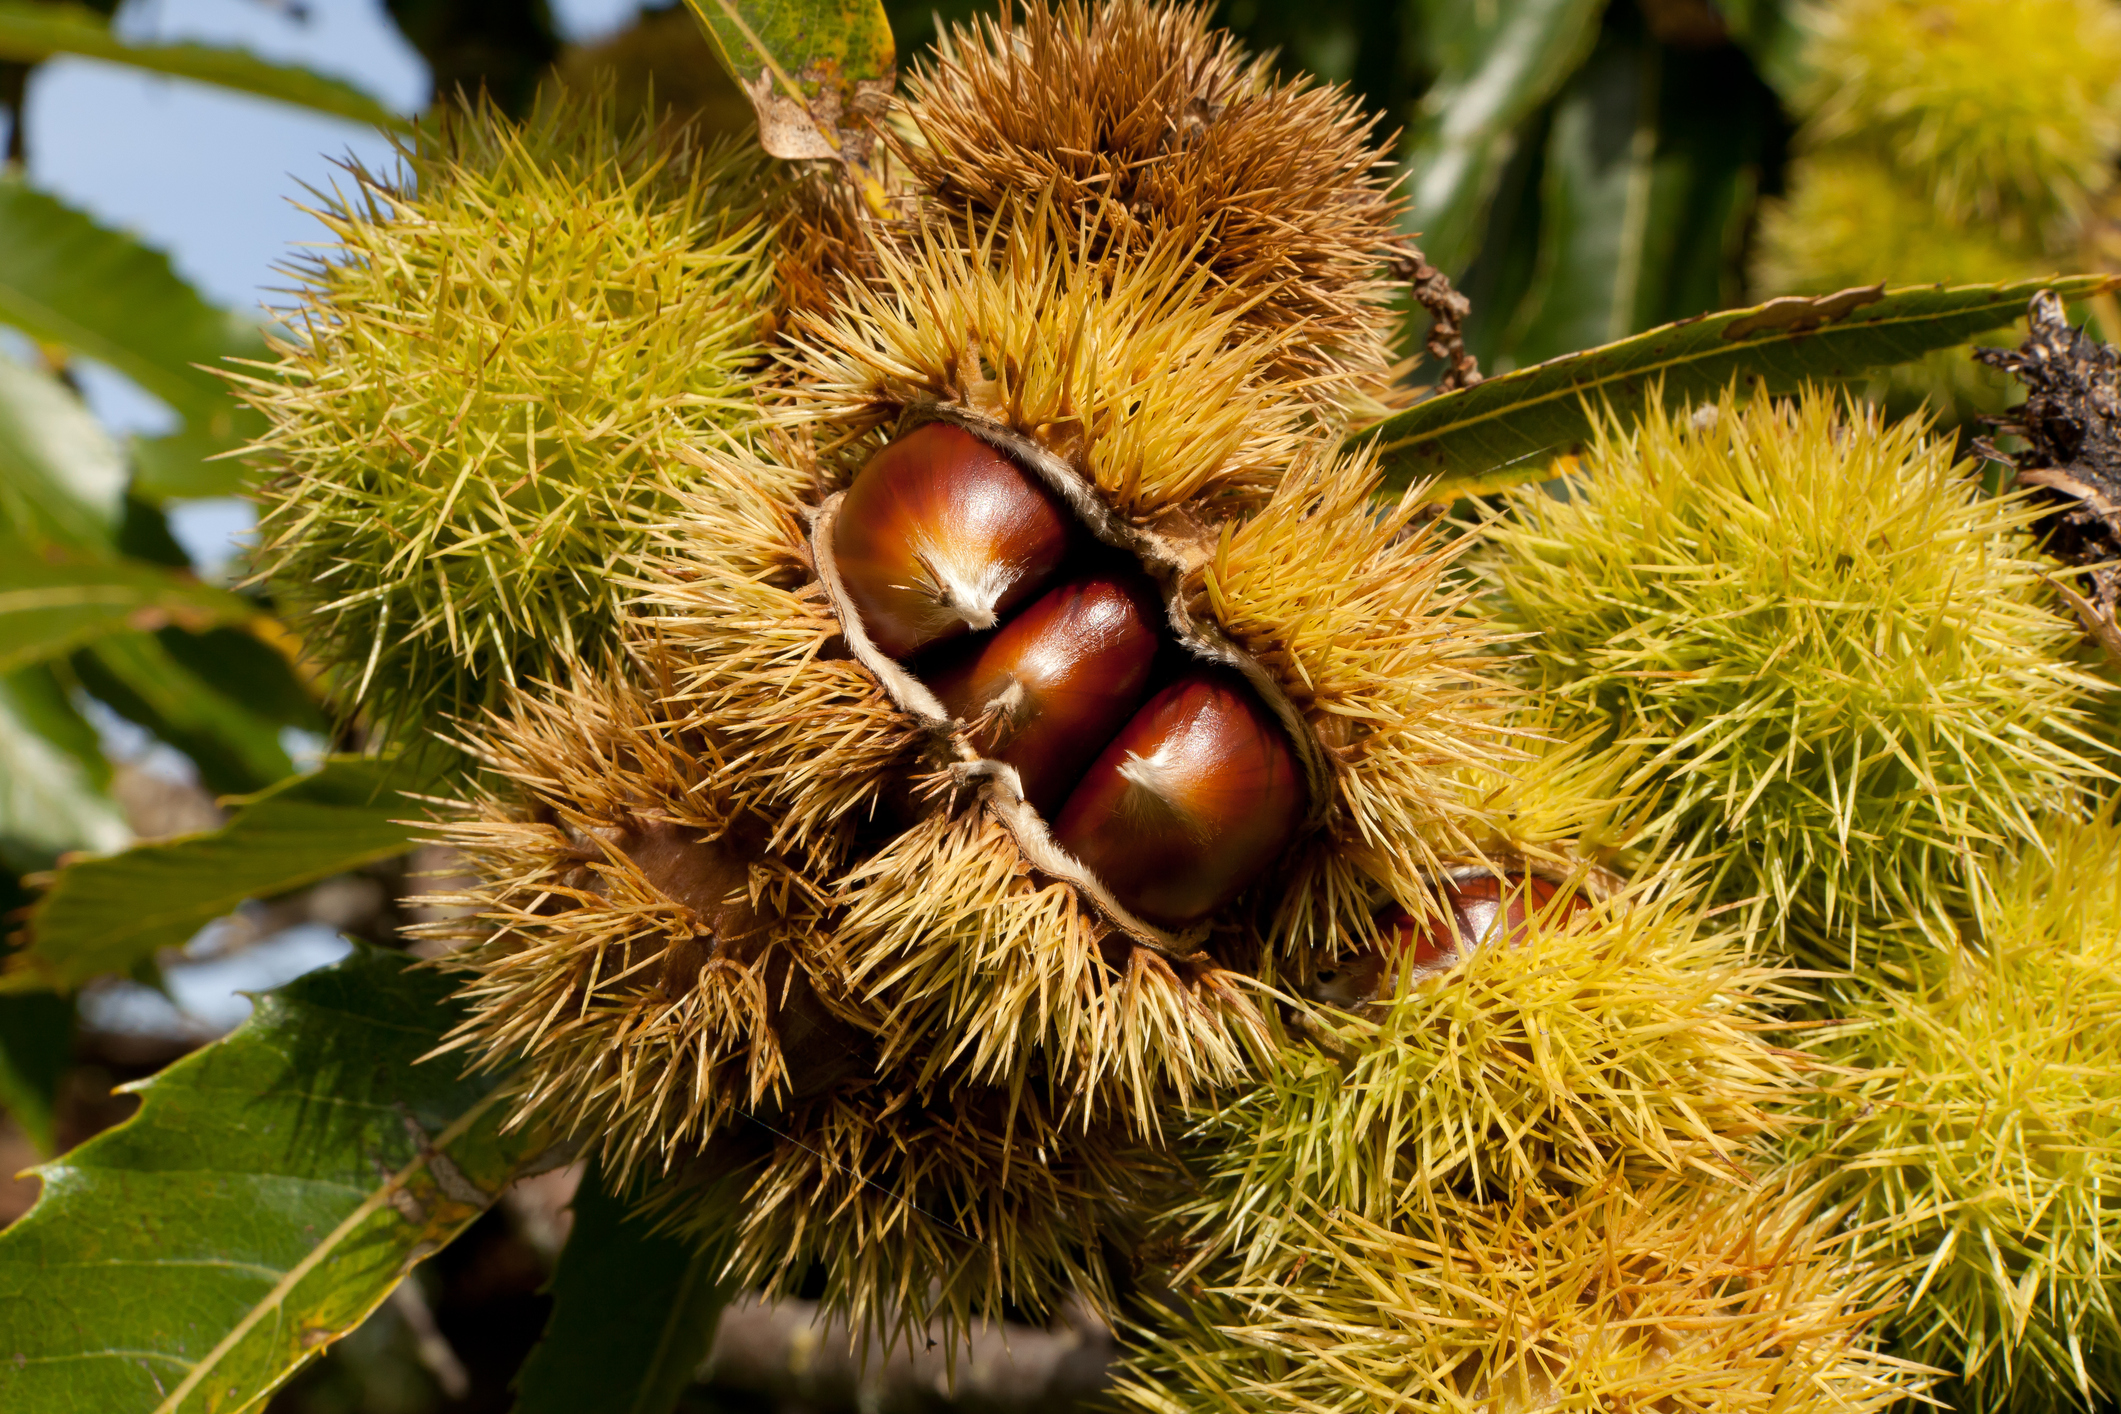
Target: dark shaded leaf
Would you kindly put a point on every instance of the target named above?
(243, 668)
(1720, 135)
(270, 1193)
(234, 747)
(104, 915)
(633, 1313)
(144, 534)
(66, 280)
(1769, 33)
(1499, 64)
(1648, 184)
(36, 1047)
(815, 70)
(29, 32)
(1503, 431)
(1500, 279)
(1596, 207)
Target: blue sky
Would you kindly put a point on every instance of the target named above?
(211, 178)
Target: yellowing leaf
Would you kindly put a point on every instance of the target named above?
(817, 71)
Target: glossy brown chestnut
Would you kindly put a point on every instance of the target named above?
(1196, 795)
(1485, 909)
(941, 535)
(1058, 679)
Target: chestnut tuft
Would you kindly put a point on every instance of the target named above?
(1058, 680)
(1197, 794)
(941, 535)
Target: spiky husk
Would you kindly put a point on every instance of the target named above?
(812, 742)
(631, 947)
(1622, 1037)
(947, 1205)
(979, 971)
(1130, 363)
(2008, 112)
(498, 363)
(1558, 804)
(1124, 366)
(1146, 126)
(1673, 1295)
(1835, 654)
(664, 987)
(999, 975)
(1982, 1145)
(1307, 585)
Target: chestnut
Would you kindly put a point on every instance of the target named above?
(1195, 796)
(1485, 908)
(941, 535)
(1058, 680)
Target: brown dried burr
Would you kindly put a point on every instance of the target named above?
(942, 535)
(1058, 680)
(1197, 794)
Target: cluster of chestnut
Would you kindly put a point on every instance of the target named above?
(1164, 775)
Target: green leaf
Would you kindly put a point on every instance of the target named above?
(1503, 431)
(1500, 63)
(33, 31)
(1500, 279)
(1718, 126)
(50, 606)
(50, 801)
(36, 1048)
(105, 915)
(633, 1313)
(244, 668)
(62, 478)
(43, 697)
(1649, 177)
(813, 69)
(1595, 215)
(66, 280)
(135, 674)
(270, 1193)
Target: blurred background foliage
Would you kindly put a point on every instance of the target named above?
(1582, 169)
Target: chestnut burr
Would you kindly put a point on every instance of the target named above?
(942, 535)
(1059, 679)
(1195, 796)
